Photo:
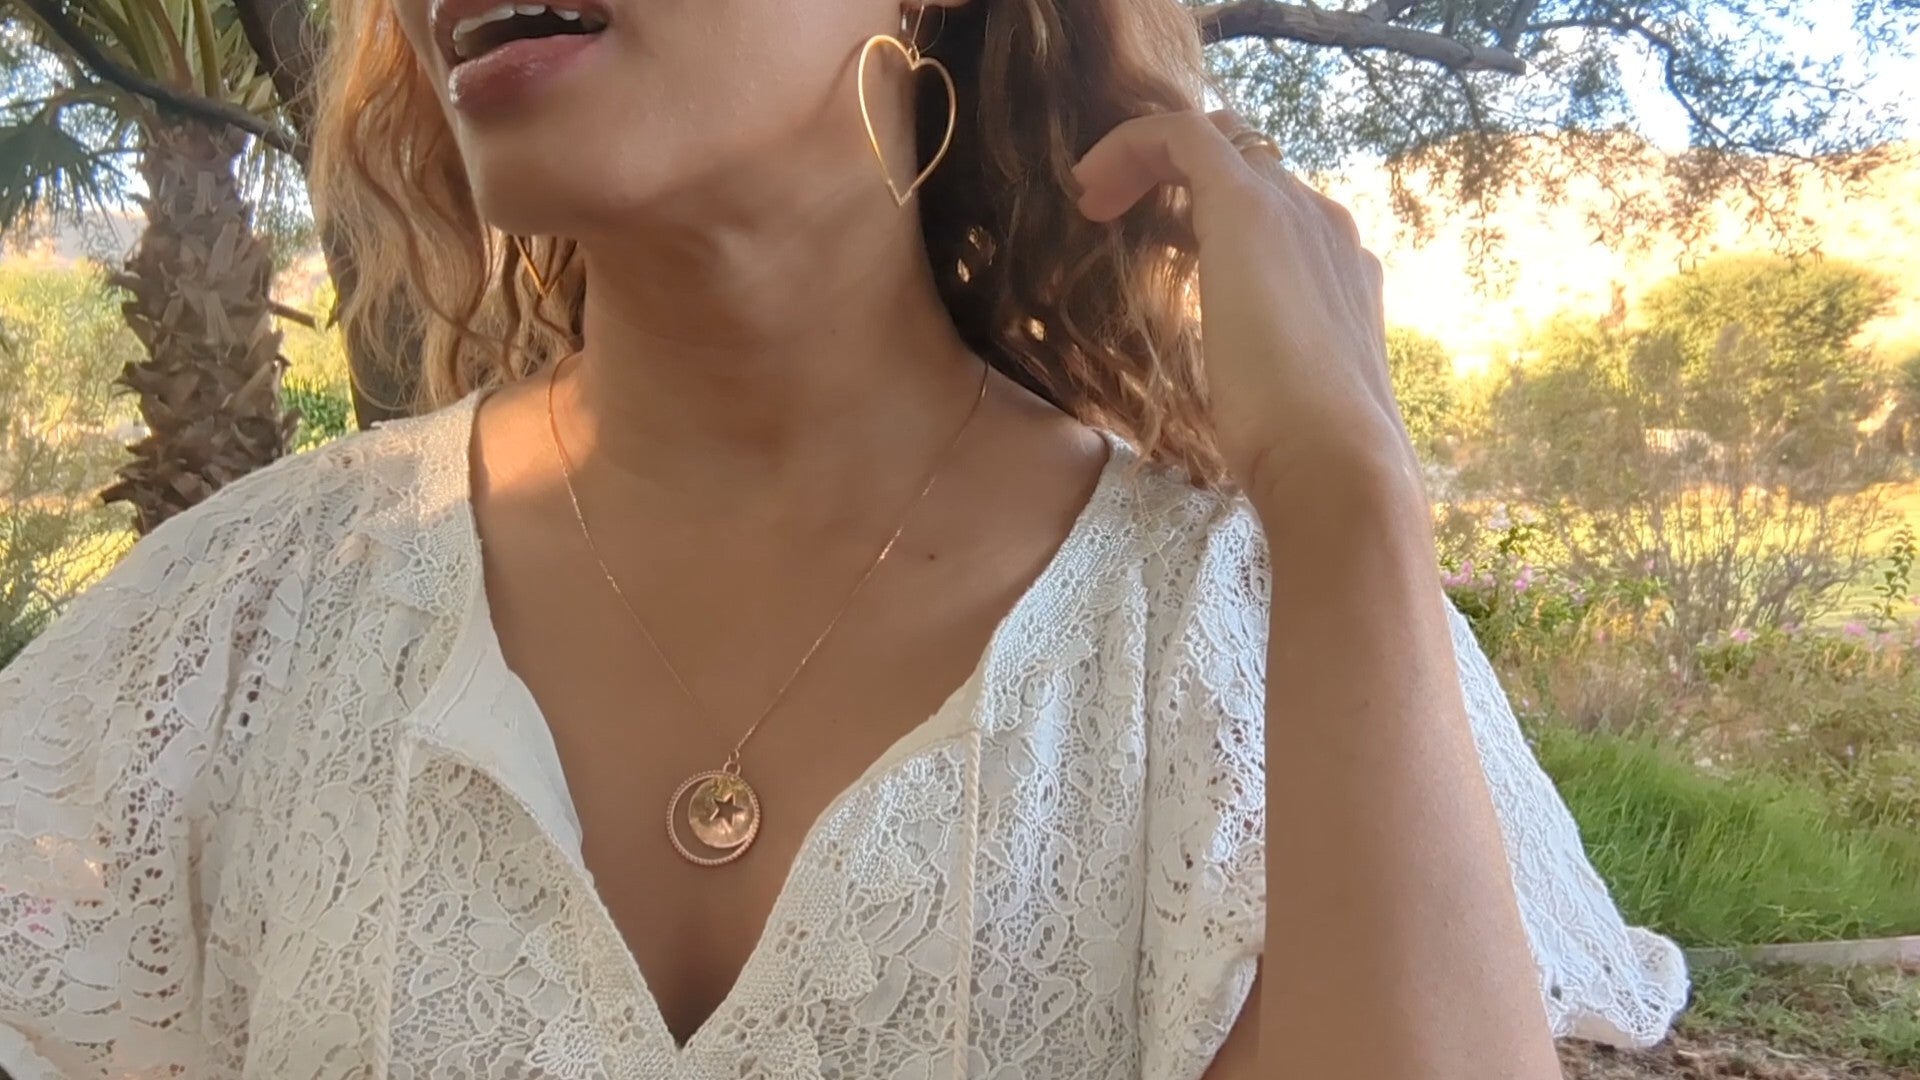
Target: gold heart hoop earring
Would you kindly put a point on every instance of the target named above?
(910, 51)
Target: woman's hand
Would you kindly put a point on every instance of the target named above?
(1404, 950)
(1290, 304)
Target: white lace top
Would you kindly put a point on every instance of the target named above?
(273, 806)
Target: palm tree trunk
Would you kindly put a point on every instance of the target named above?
(209, 388)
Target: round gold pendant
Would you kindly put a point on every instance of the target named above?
(720, 819)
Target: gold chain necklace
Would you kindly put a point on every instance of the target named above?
(722, 812)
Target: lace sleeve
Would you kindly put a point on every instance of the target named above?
(109, 724)
(1600, 978)
(1204, 923)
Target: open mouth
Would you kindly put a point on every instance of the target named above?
(476, 35)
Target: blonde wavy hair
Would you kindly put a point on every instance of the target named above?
(1099, 319)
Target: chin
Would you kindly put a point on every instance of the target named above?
(543, 185)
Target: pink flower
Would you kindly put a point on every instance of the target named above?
(1648, 565)
(1524, 581)
(1740, 635)
(1854, 629)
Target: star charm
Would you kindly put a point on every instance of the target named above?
(725, 809)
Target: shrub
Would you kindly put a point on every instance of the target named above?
(1716, 443)
(61, 430)
(1424, 385)
(325, 411)
(315, 383)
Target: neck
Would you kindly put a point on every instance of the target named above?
(793, 350)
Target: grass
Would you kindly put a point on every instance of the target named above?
(1871, 1014)
(1777, 1023)
(1727, 860)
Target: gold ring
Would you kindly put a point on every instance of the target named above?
(1248, 139)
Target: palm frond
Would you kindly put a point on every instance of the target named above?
(43, 166)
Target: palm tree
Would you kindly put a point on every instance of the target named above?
(197, 283)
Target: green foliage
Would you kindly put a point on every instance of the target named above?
(1714, 443)
(1510, 583)
(316, 381)
(1745, 858)
(59, 442)
(66, 134)
(1424, 385)
(59, 150)
(1760, 351)
(1896, 577)
(325, 412)
(1855, 1014)
(1835, 710)
(1564, 75)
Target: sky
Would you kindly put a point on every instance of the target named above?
(1888, 85)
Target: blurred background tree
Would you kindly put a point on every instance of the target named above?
(1424, 382)
(1715, 438)
(1465, 101)
(61, 428)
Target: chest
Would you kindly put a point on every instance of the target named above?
(962, 902)
(971, 898)
(808, 677)
(633, 721)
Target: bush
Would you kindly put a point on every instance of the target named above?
(1425, 386)
(316, 380)
(325, 412)
(61, 430)
(1838, 711)
(1716, 443)
(1507, 575)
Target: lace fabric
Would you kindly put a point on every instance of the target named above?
(269, 808)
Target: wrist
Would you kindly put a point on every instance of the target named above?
(1338, 483)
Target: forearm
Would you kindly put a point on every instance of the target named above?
(1395, 946)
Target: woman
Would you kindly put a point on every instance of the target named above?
(870, 523)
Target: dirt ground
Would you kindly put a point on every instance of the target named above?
(1714, 1057)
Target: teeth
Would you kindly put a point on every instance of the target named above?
(465, 27)
(471, 23)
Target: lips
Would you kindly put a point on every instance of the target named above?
(497, 52)
(512, 73)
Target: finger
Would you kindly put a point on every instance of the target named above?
(1142, 153)
(1244, 136)
(1268, 164)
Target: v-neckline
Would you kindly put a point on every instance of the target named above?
(477, 645)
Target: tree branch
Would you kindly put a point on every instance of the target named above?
(292, 313)
(1346, 30)
(289, 46)
(1516, 22)
(88, 52)
(1388, 10)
